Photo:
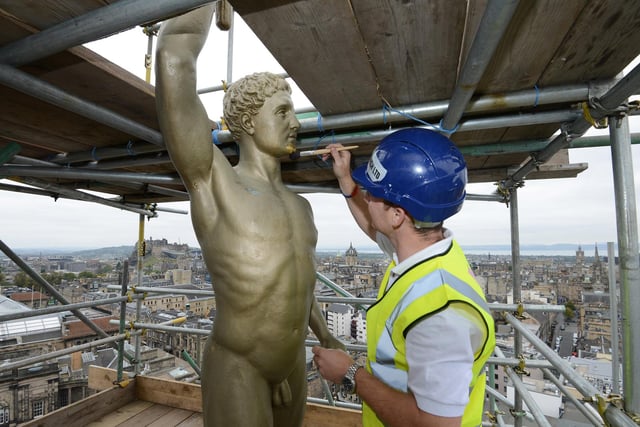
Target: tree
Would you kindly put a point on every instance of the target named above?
(22, 280)
(68, 276)
(104, 269)
(86, 275)
(570, 310)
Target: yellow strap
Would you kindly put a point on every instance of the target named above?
(586, 112)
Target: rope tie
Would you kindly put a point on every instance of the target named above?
(451, 131)
(319, 123)
(438, 128)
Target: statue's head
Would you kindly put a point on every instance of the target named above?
(248, 95)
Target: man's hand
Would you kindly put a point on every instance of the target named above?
(332, 364)
(341, 161)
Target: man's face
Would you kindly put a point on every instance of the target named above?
(380, 213)
(276, 125)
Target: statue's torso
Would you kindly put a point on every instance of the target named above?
(260, 251)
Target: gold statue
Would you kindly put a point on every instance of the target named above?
(258, 238)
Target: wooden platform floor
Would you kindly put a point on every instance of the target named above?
(140, 413)
(148, 401)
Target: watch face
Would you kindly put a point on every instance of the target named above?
(349, 379)
(348, 384)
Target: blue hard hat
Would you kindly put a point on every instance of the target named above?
(419, 170)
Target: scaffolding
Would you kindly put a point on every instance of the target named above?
(593, 104)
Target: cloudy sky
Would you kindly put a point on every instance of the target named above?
(577, 211)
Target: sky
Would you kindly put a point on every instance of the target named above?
(578, 211)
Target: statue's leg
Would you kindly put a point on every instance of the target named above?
(293, 415)
(233, 391)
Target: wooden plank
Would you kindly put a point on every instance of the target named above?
(81, 413)
(602, 41)
(251, 6)
(91, 77)
(172, 418)
(103, 378)
(168, 392)
(147, 416)
(12, 28)
(195, 420)
(415, 57)
(535, 32)
(46, 13)
(121, 414)
(319, 45)
(326, 416)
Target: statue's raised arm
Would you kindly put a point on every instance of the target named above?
(183, 119)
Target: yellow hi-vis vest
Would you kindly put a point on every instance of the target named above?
(425, 289)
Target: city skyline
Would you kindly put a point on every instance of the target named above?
(571, 210)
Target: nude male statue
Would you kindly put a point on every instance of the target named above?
(258, 238)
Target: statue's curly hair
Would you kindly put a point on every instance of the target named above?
(248, 95)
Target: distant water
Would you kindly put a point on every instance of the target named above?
(560, 250)
(524, 252)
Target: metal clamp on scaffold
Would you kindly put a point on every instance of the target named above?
(517, 414)
(536, 162)
(519, 313)
(492, 417)
(520, 369)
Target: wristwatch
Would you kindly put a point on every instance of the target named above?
(349, 380)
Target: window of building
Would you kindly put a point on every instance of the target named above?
(38, 408)
(64, 398)
(4, 416)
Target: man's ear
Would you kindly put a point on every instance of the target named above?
(246, 122)
(399, 216)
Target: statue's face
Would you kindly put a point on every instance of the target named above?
(276, 126)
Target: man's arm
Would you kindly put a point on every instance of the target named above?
(183, 119)
(396, 408)
(393, 407)
(357, 204)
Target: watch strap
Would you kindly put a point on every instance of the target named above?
(351, 376)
